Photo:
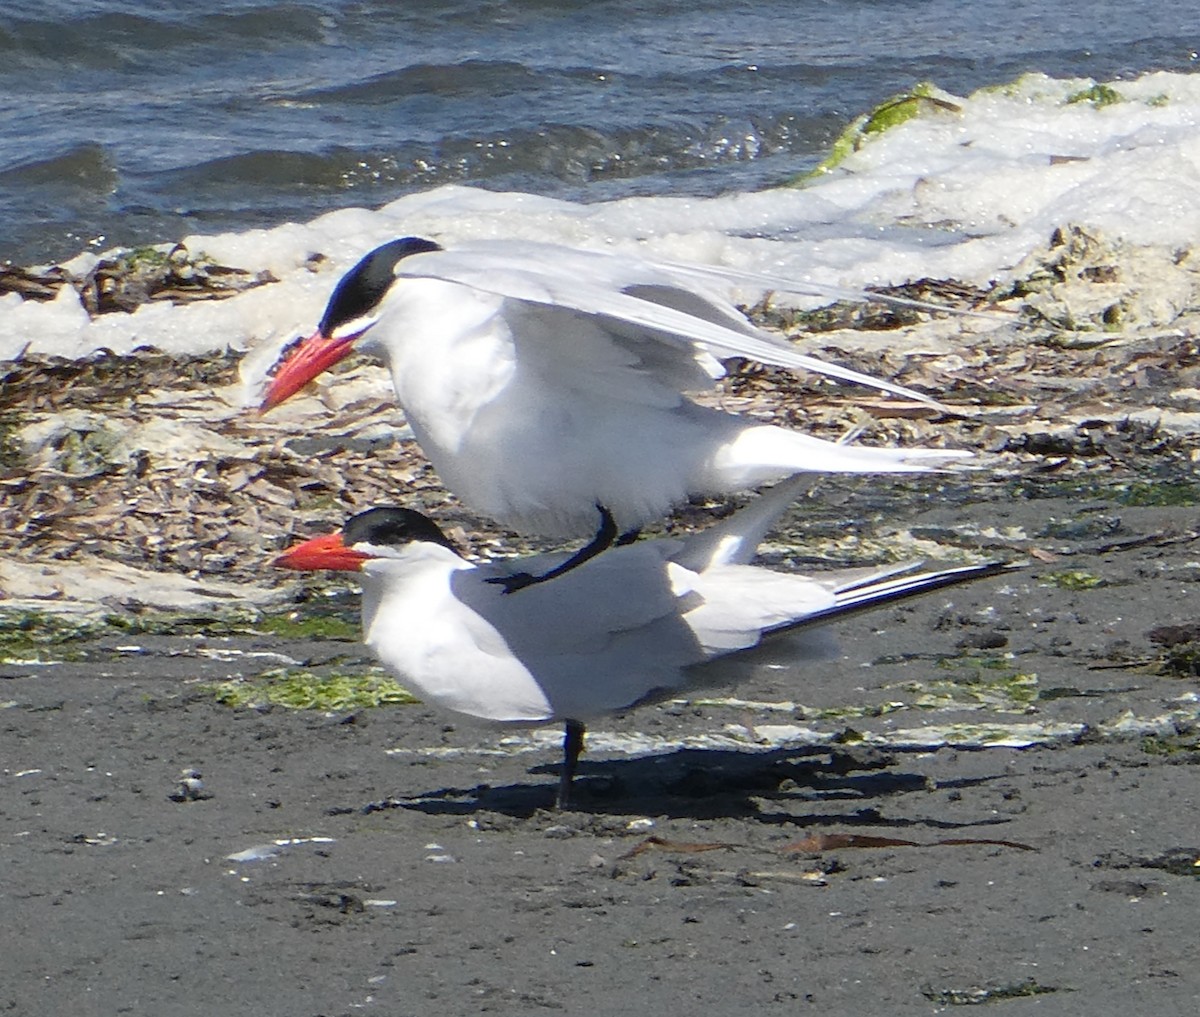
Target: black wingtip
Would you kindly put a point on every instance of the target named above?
(869, 596)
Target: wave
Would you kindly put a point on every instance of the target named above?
(556, 153)
(124, 40)
(87, 167)
(469, 77)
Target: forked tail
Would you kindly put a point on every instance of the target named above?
(867, 595)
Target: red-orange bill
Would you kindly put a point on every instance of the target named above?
(327, 552)
(314, 355)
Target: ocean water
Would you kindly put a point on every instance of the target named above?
(130, 122)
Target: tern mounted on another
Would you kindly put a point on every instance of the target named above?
(546, 384)
(634, 624)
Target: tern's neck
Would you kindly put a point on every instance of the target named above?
(406, 583)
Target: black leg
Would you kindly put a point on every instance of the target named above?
(572, 746)
(628, 537)
(602, 541)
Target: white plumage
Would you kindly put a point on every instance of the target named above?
(547, 383)
(634, 624)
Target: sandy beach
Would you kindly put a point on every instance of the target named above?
(990, 798)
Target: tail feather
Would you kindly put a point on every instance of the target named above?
(759, 453)
(734, 540)
(891, 589)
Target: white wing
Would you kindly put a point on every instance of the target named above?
(632, 300)
(598, 638)
(582, 611)
(737, 603)
(735, 539)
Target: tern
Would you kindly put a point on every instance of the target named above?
(635, 624)
(546, 384)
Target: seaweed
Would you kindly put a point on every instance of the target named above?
(893, 112)
(1098, 95)
(1072, 579)
(300, 689)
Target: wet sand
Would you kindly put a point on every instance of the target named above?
(1031, 738)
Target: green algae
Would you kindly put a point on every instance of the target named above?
(1073, 579)
(12, 448)
(1181, 661)
(38, 636)
(144, 257)
(86, 452)
(893, 112)
(1170, 745)
(1140, 493)
(1097, 95)
(299, 625)
(981, 684)
(300, 689)
(44, 636)
(978, 683)
(838, 713)
(1160, 494)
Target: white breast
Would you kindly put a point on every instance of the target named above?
(438, 647)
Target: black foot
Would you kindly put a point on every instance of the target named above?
(602, 541)
(517, 581)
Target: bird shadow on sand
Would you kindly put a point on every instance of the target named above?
(778, 786)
